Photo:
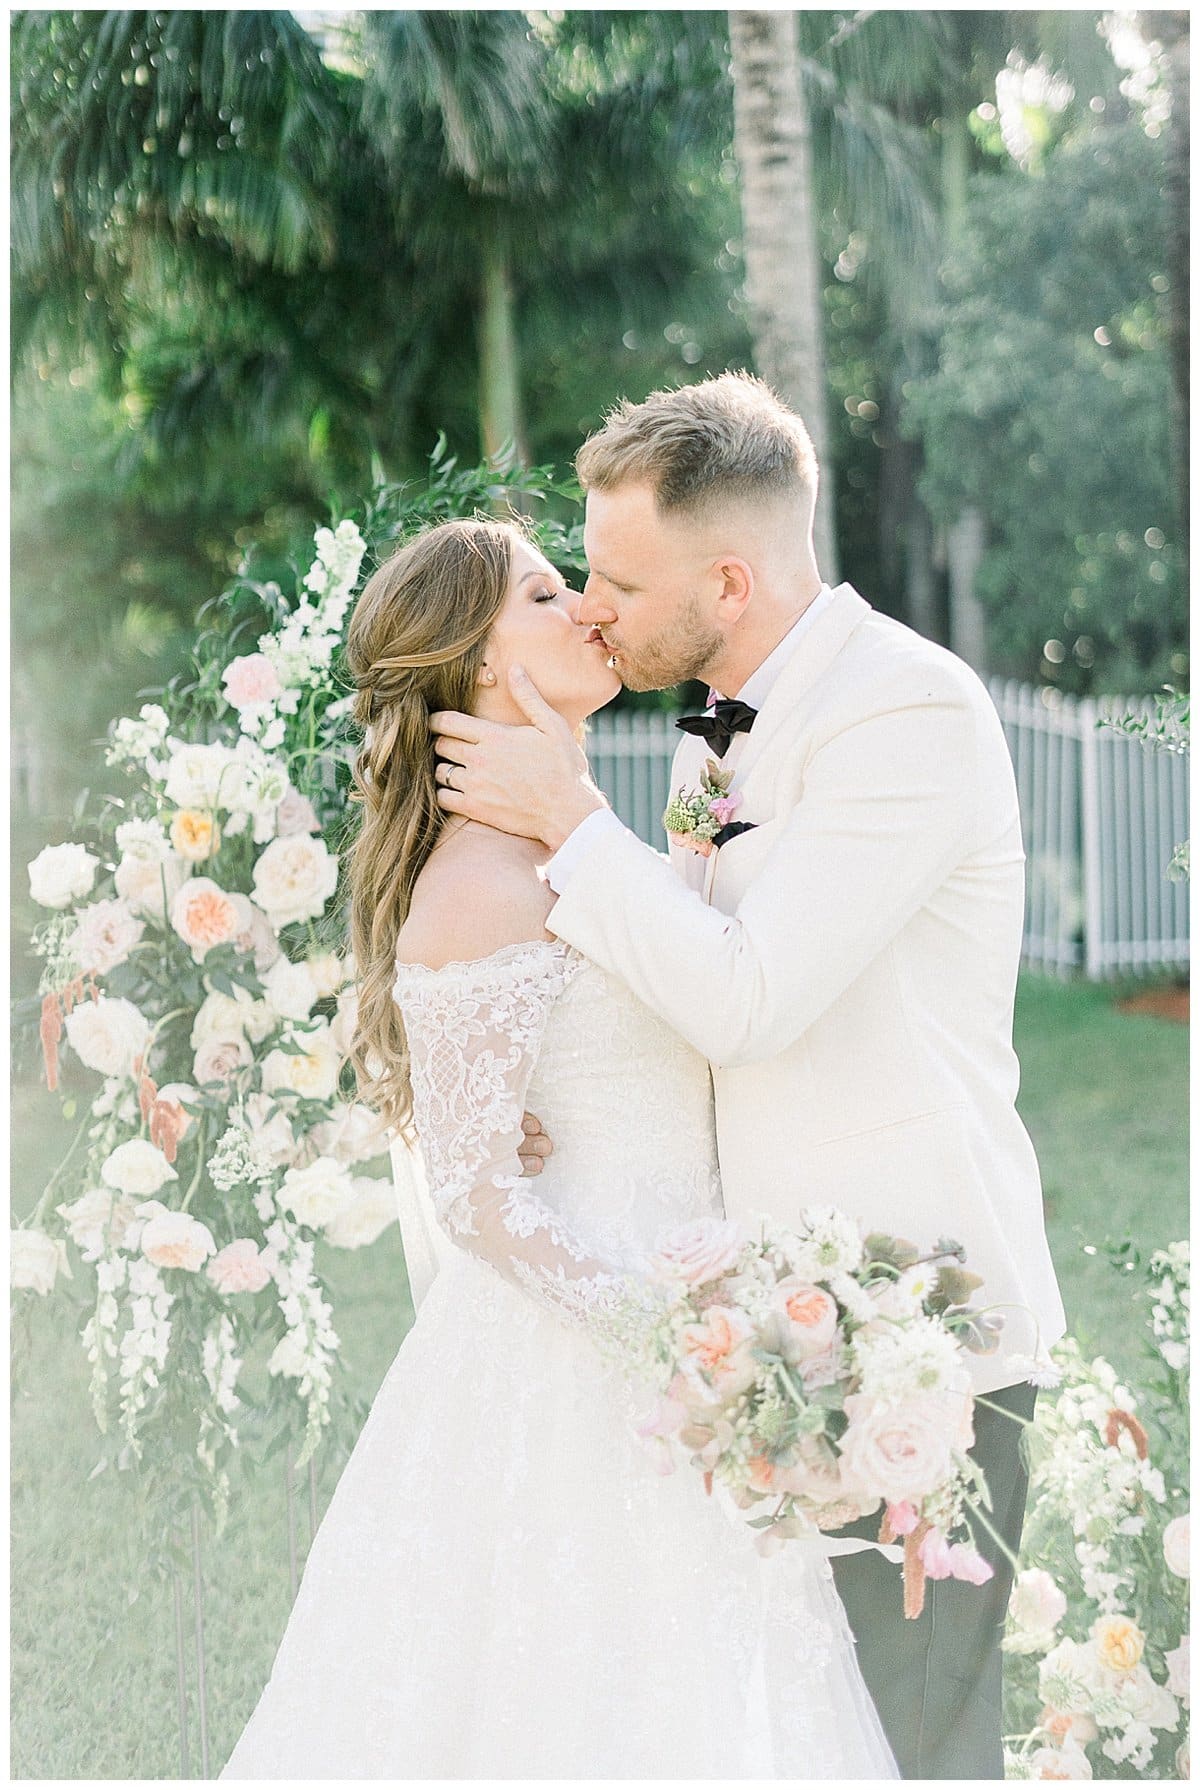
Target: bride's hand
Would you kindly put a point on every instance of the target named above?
(532, 781)
(534, 1146)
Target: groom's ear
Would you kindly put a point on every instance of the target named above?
(735, 578)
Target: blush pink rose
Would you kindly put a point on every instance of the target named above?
(295, 814)
(902, 1452)
(699, 1252)
(249, 680)
(239, 1268)
(219, 1059)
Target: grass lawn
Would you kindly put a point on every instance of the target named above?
(93, 1650)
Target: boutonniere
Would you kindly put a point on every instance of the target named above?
(695, 818)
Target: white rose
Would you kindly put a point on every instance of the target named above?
(107, 1034)
(150, 885)
(206, 916)
(295, 814)
(1179, 1670)
(288, 1356)
(325, 968)
(200, 776)
(1176, 1543)
(1036, 1607)
(353, 1134)
(317, 1193)
(34, 1259)
(105, 935)
(176, 1240)
(294, 878)
(366, 1217)
(97, 1219)
(137, 1167)
(61, 874)
(291, 989)
(226, 1016)
(311, 1072)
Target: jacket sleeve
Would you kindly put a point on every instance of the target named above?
(474, 1031)
(889, 808)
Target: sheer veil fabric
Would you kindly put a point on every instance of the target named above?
(502, 1585)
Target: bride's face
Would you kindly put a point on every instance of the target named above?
(538, 628)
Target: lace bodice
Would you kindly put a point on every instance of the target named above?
(627, 1104)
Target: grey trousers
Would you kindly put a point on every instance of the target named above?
(936, 1681)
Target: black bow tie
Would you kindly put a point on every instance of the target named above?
(718, 725)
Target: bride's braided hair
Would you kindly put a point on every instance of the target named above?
(415, 644)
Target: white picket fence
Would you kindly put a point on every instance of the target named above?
(1101, 815)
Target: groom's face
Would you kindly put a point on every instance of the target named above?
(651, 590)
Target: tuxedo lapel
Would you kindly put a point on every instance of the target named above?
(812, 658)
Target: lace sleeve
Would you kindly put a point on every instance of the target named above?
(474, 1032)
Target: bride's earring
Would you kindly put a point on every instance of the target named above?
(486, 676)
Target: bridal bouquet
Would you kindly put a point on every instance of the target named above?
(819, 1375)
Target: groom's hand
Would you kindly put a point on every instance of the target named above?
(529, 780)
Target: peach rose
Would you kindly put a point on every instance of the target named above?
(176, 1240)
(719, 1347)
(250, 680)
(810, 1314)
(239, 1268)
(699, 1252)
(1060, 1725)
(1119, 1643)
(1062, 1765)
(195, 835)
(205, 916)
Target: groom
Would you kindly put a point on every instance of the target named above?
(845, 956)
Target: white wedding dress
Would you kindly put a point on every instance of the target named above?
(502, 1585)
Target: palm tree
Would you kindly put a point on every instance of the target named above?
(773, 146)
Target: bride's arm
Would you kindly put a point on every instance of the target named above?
(474, 1032)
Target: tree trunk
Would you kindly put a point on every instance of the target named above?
(779, 229)
(965, 539)
(500, 427)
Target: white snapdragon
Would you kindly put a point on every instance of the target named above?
(221, 1364)
(143, 1346)
(138, 741)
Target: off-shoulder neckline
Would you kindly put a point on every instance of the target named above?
(505, 953)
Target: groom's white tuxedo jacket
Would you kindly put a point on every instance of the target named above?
(848, 967)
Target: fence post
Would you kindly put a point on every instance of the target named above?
(1089, 814)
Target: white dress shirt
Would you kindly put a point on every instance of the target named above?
(755, 690)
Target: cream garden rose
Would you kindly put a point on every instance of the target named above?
(311, 1072)
(62, 874)
(107, 1034)
(136, 1167)
(294, 878)
(150, 885)
(195, 835)
(219, 1059)
(291, 989)
(35, 1260)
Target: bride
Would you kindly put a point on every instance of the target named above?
(502, 1586)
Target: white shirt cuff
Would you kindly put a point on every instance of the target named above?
(575, 847)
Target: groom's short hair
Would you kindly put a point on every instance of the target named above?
(724, 438)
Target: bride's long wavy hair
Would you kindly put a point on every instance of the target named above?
(416, 644)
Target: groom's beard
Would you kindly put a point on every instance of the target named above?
(684, 648)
